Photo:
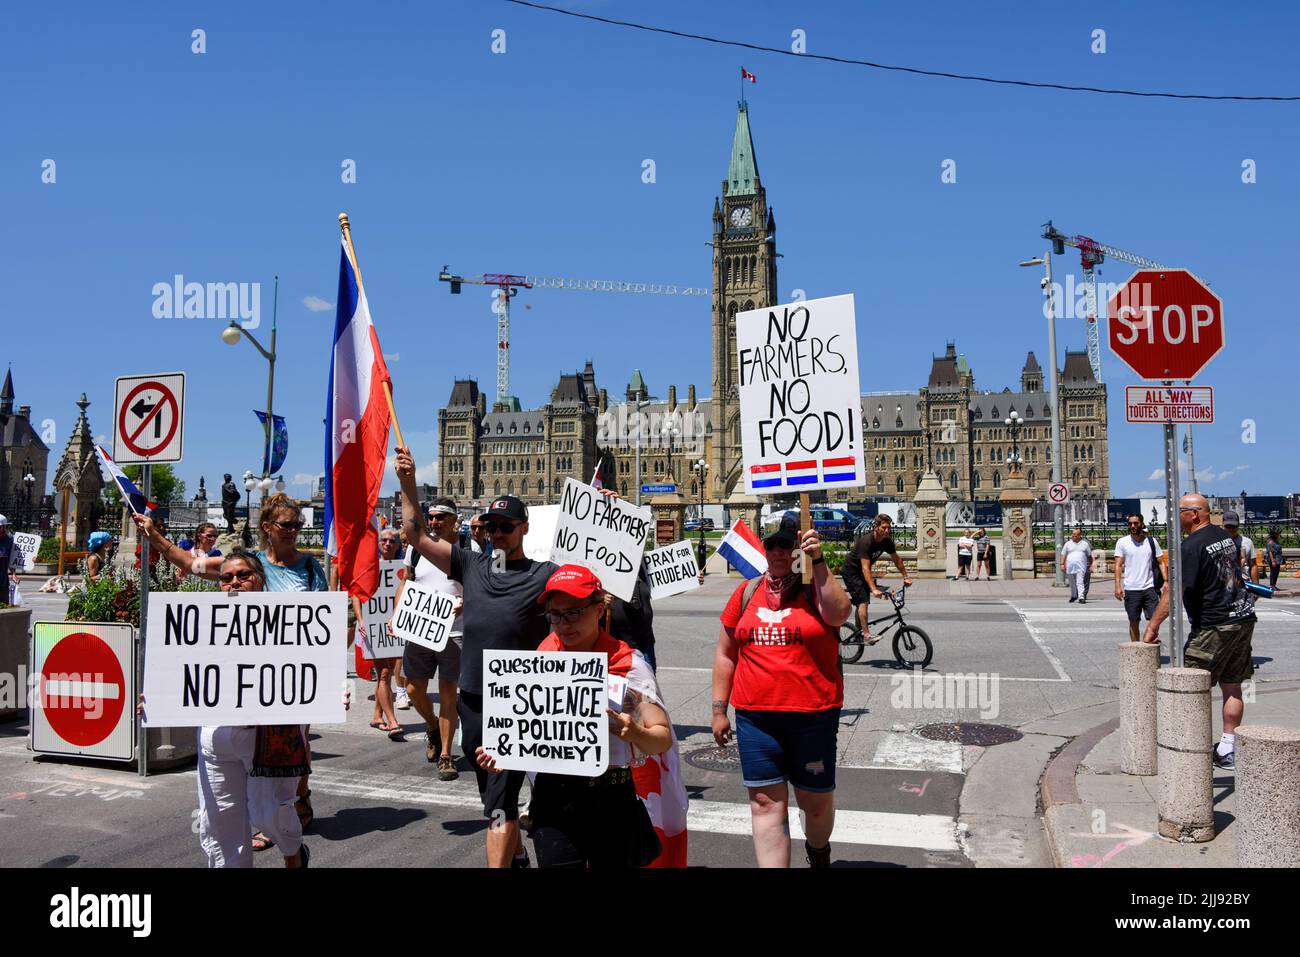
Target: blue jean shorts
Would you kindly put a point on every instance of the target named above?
(794, 746)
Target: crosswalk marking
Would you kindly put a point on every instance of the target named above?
(1037, 638)
(907, 752)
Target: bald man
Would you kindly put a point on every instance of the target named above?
(1221, 611)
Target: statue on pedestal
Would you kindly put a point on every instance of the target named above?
(229, 501)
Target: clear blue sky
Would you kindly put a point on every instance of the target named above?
(225, 166)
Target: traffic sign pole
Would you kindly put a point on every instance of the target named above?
(141, 732)
(1173, 542)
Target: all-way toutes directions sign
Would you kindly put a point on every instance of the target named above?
(1176, 404)
(149, 418)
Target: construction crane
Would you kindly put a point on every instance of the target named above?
(510, 284)
(1091, 255)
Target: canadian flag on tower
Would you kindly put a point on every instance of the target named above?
(746, 75)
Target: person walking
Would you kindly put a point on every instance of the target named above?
(1250, 560)
(1141, 569)
(1076, 562)
(982, 554)
(1221, 611)
(597, 823)
(1273, 555)
(384, 718)
(11, 559)
(965, 548)
(248, 775)
(777, 662)
(420, 664)
(859, 580)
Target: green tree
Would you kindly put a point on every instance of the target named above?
(167, 486)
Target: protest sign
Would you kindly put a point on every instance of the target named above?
(237, 658)
(377, 612)
(800, 398)
(545, 711)
(672, 570)
(424, 616)
(604, 534)
(541, 532)
(29, 545)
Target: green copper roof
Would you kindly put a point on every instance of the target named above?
(742, 171)
(637, 383)
(962, 365)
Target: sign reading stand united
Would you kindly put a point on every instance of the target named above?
(800, 397)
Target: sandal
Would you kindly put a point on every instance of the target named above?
(305, 817)
(261, 842)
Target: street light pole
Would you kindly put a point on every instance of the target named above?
(701, 467)
(1058, 469)
(231, 335)
(1014, 424)
(640, 404)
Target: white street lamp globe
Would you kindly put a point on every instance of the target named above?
(266, 484)
(250, 483)
(279, 484)
(230, 334)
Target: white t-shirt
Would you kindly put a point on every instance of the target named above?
(1247, 551)
(1078, 555)
(964, 545)
(1138, 571)
(431, 576)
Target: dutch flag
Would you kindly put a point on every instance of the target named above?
(764, 476)
(840, 470)
(801, 473)
(132, 495)
(741, 548)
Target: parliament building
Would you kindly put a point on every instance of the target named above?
(485, 451)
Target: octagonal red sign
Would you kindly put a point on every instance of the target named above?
(1165, 324)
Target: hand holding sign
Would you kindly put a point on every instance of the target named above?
(602, 533)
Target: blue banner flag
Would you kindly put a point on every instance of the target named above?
(279, 443)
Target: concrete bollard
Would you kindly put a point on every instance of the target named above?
(1268, 796)
(1138, 662)
(1184, 743)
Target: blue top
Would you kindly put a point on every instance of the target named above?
(303, 575)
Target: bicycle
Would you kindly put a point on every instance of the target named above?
(911, 644)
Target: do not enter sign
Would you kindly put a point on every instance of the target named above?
(85, 689)
(1165, 324)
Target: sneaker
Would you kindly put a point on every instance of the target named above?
(1083, 601)
(873, 639)
(403, 700)
(817, 858)
(447, 768)
(1073, 600)
(521, 862)
(432, 747)
(1226, 761)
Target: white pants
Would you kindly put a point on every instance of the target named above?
(1080, 579)
(232, 804)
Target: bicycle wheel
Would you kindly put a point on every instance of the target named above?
(912, 647)
(851, 644)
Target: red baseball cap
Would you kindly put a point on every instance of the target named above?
(573, 580)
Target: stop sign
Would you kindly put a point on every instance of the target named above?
(1165, 324)
(83, 690)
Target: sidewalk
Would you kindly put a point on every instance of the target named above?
(1095, 815)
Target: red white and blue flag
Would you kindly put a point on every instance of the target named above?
(356, 438)
(130, 494)
(793, 475)
(741, 548)
(843, 469)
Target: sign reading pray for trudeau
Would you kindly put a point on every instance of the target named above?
(800, 398)
(223, 658)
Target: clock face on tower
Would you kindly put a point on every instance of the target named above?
(741, 216)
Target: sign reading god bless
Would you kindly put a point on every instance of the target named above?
(545, 711)
(800, 398)
(236, 658)
(603, 534)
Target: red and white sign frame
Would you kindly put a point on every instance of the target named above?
(1052, 493)
(83, 689)
(168, 406)
(1175, 404)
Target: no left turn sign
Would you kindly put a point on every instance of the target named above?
(1058, 493)
(149, 418)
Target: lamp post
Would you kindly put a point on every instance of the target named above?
(639, 405)
(1014, 424)
(29, 480)
(231, 336)
(250, 483)
(701, 467)
(1058, 511)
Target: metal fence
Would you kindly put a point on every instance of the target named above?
(1104, 536)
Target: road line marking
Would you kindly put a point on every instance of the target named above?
(1038, 640)
(907, 752)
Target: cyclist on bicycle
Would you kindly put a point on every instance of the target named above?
(858, 579)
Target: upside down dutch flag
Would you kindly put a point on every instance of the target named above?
(741, 547)
(132, 495)
(356, 438)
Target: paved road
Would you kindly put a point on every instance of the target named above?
(1021, 658)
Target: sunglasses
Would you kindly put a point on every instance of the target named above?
(569, 616)
(505, 528)
(243, 575)
(289, 526)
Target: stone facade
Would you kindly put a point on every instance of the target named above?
(22, 452)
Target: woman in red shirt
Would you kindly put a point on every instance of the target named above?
(777, 662)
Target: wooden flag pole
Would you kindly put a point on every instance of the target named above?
(805, 523)
(356, 269)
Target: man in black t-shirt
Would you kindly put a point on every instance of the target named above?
(1221, 611)
(858, 579)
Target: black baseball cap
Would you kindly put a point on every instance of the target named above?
(507, 507)
(1231, 519)
(784, 535)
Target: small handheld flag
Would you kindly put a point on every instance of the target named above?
(742, 548)
(130, 494)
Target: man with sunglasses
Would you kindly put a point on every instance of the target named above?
(419, 663)
(1221, 611)
(500, 612)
